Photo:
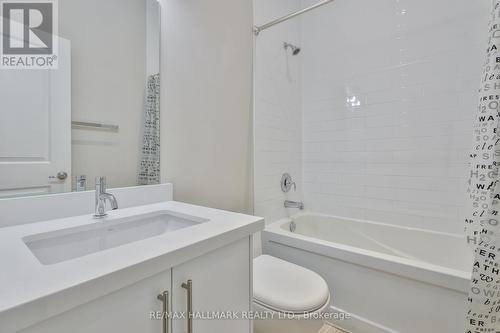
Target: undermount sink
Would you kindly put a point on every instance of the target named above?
(65, 244)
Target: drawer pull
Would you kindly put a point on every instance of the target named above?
(189, 287)
(163, 297)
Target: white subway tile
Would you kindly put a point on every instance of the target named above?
(375, 123)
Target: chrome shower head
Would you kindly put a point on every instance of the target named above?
(295, 49)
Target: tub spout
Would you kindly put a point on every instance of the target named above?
(294, 204)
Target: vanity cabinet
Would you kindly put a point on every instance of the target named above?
(220, 284)
(124, 311)
(219, 281)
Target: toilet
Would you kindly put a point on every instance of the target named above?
(287, 296)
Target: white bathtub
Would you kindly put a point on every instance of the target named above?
(389, 278)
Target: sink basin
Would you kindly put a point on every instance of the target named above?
(65, 244)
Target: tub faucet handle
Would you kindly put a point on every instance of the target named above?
(287, 183)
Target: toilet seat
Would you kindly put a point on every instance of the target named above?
(285, 287)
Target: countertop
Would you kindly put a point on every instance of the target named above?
(31, 292)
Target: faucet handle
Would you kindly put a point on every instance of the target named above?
(287, 183)
(101, 182)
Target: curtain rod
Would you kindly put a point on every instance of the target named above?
(258, 29)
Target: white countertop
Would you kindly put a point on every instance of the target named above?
(31, 292)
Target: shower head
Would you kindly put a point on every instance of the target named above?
(295, 49)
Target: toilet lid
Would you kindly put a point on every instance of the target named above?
(286, 287)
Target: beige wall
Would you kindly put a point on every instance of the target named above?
(206, 101)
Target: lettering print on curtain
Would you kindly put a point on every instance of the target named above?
(482, 222)
(149, 168)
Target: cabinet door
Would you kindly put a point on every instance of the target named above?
(220, 283)
(128, 310)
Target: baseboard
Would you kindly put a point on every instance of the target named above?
(358, 324)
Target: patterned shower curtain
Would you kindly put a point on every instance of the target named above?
(149, 168)
(482, 221)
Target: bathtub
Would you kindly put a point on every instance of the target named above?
(388, 278)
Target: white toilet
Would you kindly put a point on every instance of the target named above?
(285, 290)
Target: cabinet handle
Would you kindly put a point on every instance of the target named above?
(189, 287)
(163, 297)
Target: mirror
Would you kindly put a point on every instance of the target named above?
(96, 113)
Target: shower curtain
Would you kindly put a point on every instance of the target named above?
(149, 168)
(482, 221)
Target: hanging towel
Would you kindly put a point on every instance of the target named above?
(149, 168)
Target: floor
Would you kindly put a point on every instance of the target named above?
(330, 329)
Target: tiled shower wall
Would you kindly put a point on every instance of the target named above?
(278, 119)
(389, 90)
(373, 118)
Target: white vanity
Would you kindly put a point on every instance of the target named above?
(121, 273)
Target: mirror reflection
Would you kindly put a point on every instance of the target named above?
(97, 114)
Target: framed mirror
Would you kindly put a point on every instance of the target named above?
(96, 114)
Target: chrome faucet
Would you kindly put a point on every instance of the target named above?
(100, 198)
(294, 204)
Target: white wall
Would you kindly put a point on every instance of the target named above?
(278, 125)
(400, 156)
(108, 83)
(153, 37)
(206, 74)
